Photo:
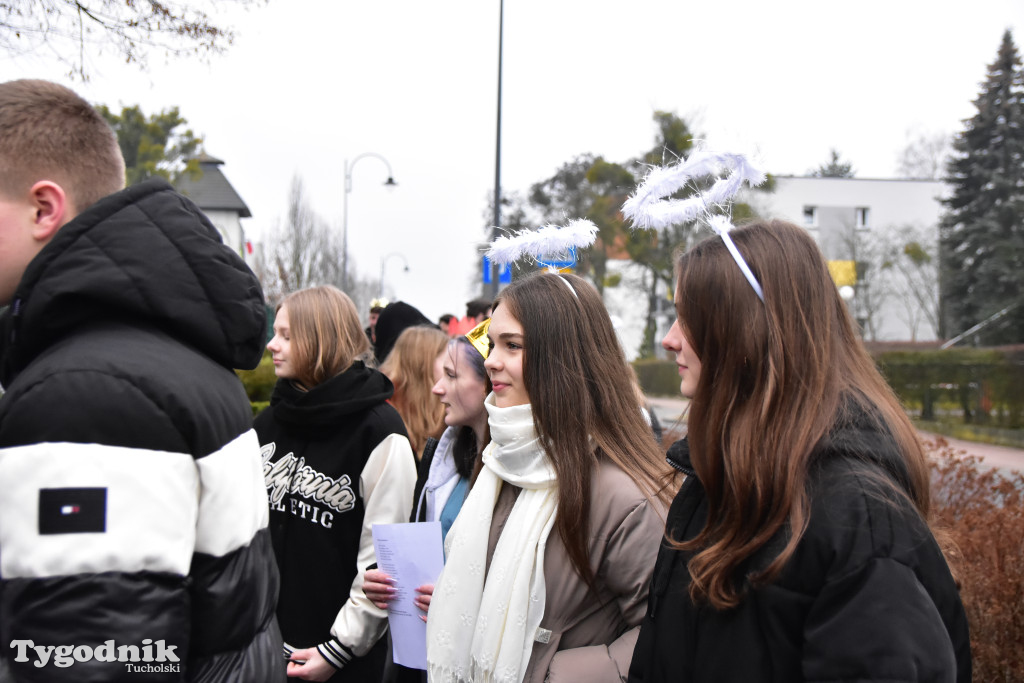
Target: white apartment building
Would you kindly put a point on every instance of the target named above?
(860, 219)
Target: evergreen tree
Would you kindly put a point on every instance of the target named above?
(154, 146)
(981, 233)
(835, 168)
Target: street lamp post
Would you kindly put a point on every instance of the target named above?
(344, 220)
(383, 261)
(496, 228)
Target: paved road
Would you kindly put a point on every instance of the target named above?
(1000, 457)
(670, 410)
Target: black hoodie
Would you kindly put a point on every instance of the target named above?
(336, 460)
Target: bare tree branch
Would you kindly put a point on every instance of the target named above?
(70, 29)
(913, 254)
(303, 251)
(925, 155)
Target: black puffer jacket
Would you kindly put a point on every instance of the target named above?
(133, 516)
(867, 596)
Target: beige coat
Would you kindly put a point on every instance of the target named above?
(592, 638)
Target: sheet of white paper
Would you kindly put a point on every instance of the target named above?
(412, 555)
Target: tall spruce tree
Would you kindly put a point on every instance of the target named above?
(982, 230)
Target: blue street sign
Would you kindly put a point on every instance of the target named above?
(504, 273)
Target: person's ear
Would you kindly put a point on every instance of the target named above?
(52, 209)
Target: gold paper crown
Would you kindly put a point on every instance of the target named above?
(478, 338)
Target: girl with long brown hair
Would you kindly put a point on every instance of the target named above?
(550, 557)
(798, 548)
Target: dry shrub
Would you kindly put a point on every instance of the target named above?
(981, 512)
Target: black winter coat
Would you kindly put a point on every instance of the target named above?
(867, 596)
(132, 507)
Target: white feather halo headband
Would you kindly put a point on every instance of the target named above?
(648, 207)
(548, 241)
(544, 243)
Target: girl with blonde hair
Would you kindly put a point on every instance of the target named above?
(336, 461)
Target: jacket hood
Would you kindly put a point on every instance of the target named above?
(678, 456)
(353, 391)
(859, 434)
(392, 321)
(147, 256)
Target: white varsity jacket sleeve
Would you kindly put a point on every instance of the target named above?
(386, 486)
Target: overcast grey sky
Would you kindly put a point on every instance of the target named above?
(309, 83)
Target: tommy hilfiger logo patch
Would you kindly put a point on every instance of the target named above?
(72, 511)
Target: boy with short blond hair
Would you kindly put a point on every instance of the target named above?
(133, 514)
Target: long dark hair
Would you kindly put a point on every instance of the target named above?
(582, 398)
(775, 377)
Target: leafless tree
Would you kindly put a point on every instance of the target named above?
(303, 250)
(897, 275)
(924, 156)
(73, 29)
(872, 290)
(912, 256)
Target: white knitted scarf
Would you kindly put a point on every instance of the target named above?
(480, 628)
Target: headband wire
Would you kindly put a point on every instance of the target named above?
(742, 263)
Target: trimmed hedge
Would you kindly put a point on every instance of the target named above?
(259, 382)
(657, 377)
(968, 386)
(979, 387)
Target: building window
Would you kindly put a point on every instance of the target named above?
(811, 216)
(863, 217)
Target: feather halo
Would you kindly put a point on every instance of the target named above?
(546, 242)
(648, 207)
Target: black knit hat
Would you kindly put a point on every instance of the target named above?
(394, 320)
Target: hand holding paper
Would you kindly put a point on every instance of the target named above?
(408, 556)
(423, 599)
(377, 586)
